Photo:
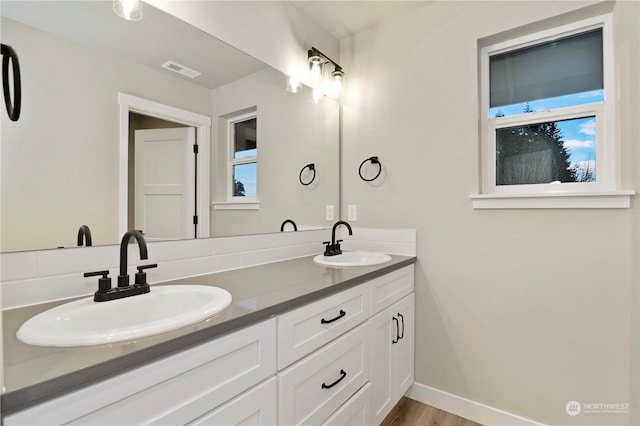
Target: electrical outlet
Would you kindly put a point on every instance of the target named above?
(352, 214)
(329, 212)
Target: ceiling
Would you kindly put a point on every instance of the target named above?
(154, 40)
(343, 18)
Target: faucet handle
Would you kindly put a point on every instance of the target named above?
(104, 283)
(141, 277)
(328, 249)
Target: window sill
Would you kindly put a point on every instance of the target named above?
(593, 200)
(236, 205)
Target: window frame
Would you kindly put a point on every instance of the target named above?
(607, 161)
(231, 161)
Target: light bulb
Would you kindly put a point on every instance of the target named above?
(337, 82)
(316, 71)
(131, 10)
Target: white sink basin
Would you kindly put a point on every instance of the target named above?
(353, 258)
(85, 322)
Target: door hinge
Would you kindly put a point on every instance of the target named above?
(195, 148)
(195, 220)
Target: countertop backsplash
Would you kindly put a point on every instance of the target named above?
(40, 276)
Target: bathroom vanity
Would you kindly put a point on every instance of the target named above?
(301, 343)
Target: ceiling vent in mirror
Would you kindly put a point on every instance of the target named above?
(180, 69)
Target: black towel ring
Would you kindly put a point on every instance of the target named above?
(13, 109)
(311, 167)
(374, 160)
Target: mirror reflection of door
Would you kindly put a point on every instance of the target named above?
(165, 177)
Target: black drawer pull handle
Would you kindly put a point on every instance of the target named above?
(402, 318)
(343, 374)
(397, 338)
(324, 321)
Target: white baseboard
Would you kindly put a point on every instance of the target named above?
(466, 408)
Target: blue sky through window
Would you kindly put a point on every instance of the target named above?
(246, 173)
(550, 103)
(579, 134)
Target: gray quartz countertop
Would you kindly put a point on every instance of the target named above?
(33, 374)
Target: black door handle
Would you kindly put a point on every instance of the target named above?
(13, 109)
(343, 374)
(329, 321)
(402, 318)
(397, 338)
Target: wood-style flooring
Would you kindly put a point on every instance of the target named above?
(413, 413)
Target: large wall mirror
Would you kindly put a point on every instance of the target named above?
(106, 134)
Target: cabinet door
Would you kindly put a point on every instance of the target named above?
(391, 356)
(403, 350)
(257, 406)
(383, 332)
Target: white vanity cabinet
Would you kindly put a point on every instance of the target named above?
(344, 359)
(357, 378)
(392, 340)
(176, 390)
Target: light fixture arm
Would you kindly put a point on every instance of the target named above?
(313, 52)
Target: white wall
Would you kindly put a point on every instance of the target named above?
(520, 310)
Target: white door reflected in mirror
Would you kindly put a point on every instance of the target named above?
(165, 183)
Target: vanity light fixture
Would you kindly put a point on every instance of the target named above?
(317, 61)
(131, 10)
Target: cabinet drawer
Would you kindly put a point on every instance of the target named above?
(305, 329)
(315, 387)
(173, 390)
(390, 288)
(257, 406)
(355, 412)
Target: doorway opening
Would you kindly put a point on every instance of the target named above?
(164, 170)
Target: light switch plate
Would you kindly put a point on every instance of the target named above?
(329, 212)
(352, 214)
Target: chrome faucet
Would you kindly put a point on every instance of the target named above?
(333, 247)
(84, 233)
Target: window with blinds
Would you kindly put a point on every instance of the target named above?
(546, 124)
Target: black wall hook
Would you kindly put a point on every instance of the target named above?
(311, 167)
(13, 109)
(374, 160)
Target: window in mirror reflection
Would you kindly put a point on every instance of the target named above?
(244, 155)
